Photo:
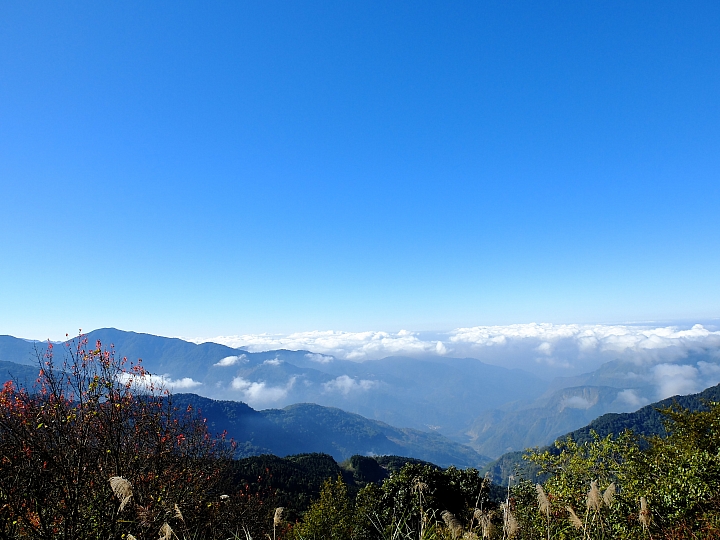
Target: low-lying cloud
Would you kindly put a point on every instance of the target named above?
(158, 382)
(632, 399)
(346, 384)
(231, 360)
(319, 358)
(260, 393)
(658, 361)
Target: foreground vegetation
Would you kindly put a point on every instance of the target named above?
(97, 451)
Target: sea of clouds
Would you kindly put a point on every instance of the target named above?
(675, 359)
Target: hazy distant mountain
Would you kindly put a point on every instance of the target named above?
(495, 432)
(442, 394)
(489, 407)
(305, 428)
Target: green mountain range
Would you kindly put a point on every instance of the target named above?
(647, 421)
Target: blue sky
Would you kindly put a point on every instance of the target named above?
(218, 168)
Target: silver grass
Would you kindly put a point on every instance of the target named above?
(574, 519)
(122, 490)
(644, 513)
(452, 523)
(510, 524)
(594, 499)
(542, 499)
(277, 518)
(165, 532)
(486, 524)
(609, 494)
(178, 513)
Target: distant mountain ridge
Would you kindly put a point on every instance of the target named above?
(309, 428)
(305, 428)
(488, 407)
(441, 394)
(647, 421)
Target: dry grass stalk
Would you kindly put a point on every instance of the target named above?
(419, 485)
(574, 519)
(277, 518)
(484, 519)
(452, 523)
(644, 516)
(130, 537)
(486, 525)
(609, 494)
(510, 524)
(166, 532)
(470, 536)
(145, 515)
(542, 499)
(122, 490)
(594, 499)
(178, 513)
(486, 481)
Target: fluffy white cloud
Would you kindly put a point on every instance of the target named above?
(231, 360)
(673, 379)
(577, 402)
(632, 399)
(319, 358)
(259, 393)
(345, 384)
(273, 362)
(158, 382)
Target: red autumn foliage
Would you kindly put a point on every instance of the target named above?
(96, 416)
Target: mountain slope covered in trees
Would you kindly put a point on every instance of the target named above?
(647, 421)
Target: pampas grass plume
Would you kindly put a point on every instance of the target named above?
(178, 513)
(165, 532)
(277, 518)
(594, 498)
(542, 499)
(609, 494)
(452, 523)
(122, 490)
(574, 519)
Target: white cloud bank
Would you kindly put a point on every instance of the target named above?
(345, 345)
(565, 346)
(669, 360)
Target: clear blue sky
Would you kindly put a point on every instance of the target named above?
(205, 168)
